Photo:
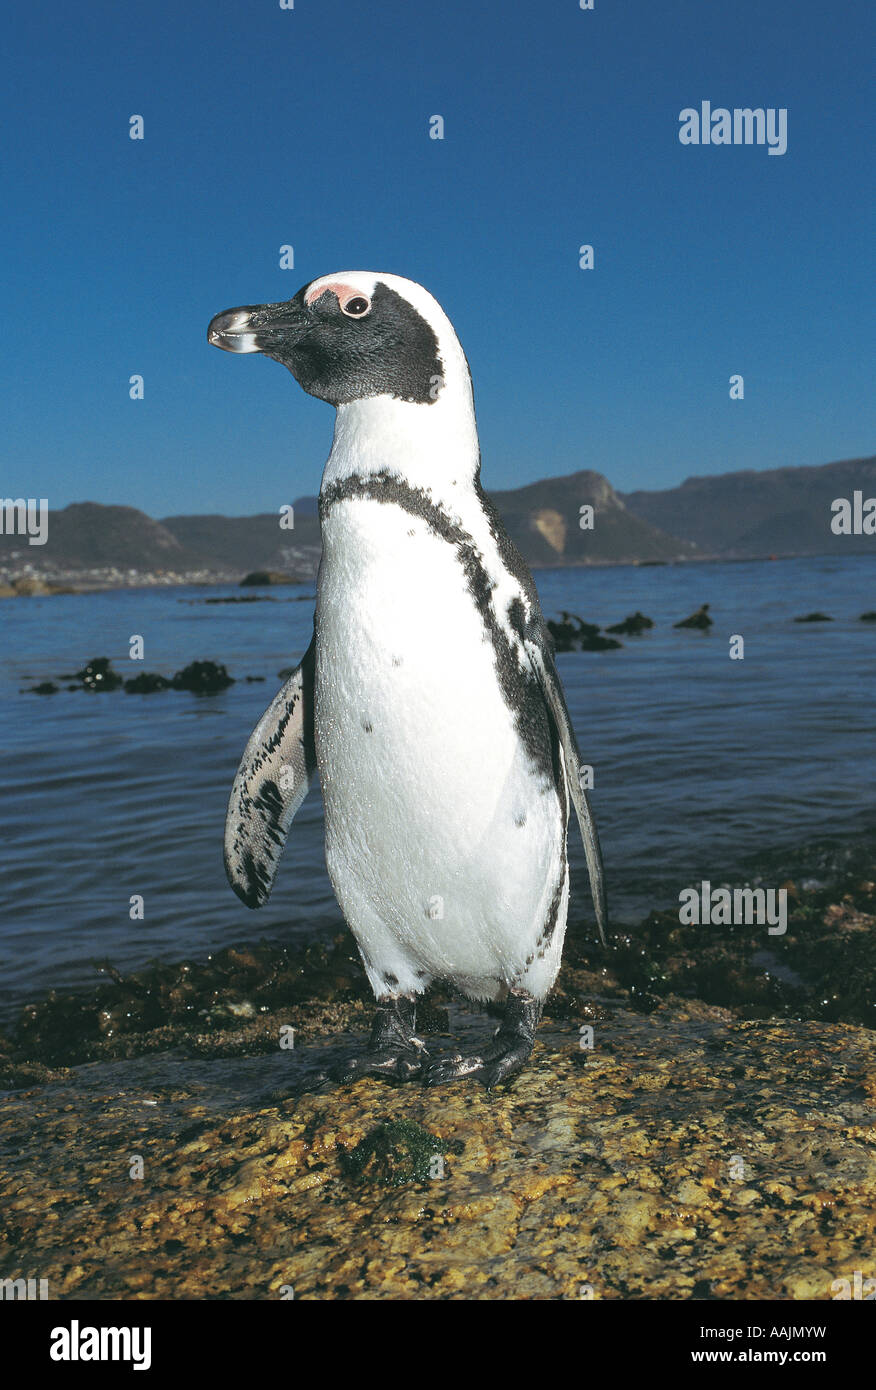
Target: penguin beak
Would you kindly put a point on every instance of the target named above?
(258, 328)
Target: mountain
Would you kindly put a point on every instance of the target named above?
(89, 537)
(782, 511)
(249, 542)
(88, 533)
(544, 521)
(543, 518)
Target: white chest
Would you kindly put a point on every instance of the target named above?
(442, 843)
(406, 689)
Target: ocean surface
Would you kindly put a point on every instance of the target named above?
(705, 767)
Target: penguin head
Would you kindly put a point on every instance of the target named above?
(350, 336)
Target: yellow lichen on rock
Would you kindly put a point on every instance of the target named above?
(639, 1173)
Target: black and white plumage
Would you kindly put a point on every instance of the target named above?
(275, 772)
(429, 698)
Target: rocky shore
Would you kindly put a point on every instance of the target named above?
(167, 1136)
(33, 583)
(99, 579)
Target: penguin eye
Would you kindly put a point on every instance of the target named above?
(357, 307)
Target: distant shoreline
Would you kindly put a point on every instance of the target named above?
(49, 583)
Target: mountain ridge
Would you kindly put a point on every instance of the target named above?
(742, 514)
(750, 513)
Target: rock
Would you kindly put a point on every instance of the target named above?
(29, 586)
(684, 1155)
(244, 598)
(573, 634)
(263, 577)
(814, 618)
(868, 617)
(45, 688)
(582, 628)
(699, 619)
(563, 635)
(250, 680)
(202, 677)
(317, 982)
(715, 1141)
(8, 591)
(632, 626)
(146, 684)
(97, 675)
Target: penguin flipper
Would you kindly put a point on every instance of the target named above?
(272, 780)
(541, 659)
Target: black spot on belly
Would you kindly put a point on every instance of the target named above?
(367, 727)
(390, 980)
(521, 819)
(396, 661)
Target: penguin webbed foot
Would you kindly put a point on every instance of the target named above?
(501, 1059)
(394, 1051)
(393, 1064)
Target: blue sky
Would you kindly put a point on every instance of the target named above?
(310, 127)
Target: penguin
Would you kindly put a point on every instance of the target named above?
(428, 699)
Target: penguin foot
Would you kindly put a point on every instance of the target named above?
(501, 1059)
(393, 1051)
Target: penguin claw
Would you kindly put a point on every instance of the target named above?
(395, 1066)
(490, 1069)
(504, 1057)
(394, 1050)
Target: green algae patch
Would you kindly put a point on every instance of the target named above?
(394, 1154)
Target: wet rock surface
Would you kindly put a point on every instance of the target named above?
(147, 683)
(687, 1155)
(633, 625)
(700, 619)
(98, 675)
(243, 598)
(199, 677)
(713, 1136)
(202, 677)
(33, 586)
(572, 634)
